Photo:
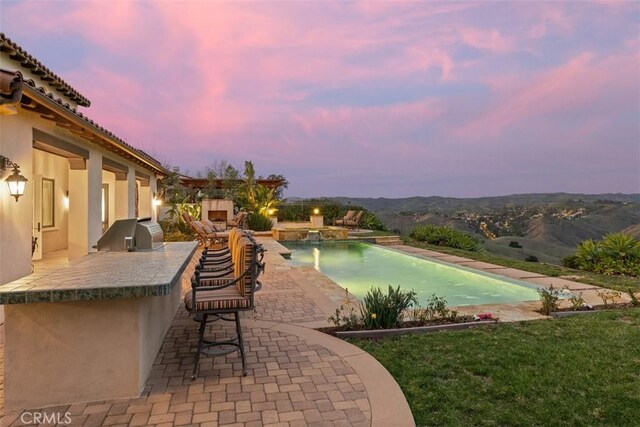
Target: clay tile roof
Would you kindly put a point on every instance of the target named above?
(150, 160)
(36, 67)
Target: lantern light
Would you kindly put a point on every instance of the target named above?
(15, 181)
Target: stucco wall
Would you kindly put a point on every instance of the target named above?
(16, 217)
(109, 178)
(56, 168)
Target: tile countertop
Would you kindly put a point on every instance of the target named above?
(105, 275)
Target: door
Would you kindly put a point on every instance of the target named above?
(105, 207)
(36, 239)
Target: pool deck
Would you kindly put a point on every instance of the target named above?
(297, 375)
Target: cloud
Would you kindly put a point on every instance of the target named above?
(405, 97)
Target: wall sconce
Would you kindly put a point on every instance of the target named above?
(15, 181)
(66, 200)
(156, 201)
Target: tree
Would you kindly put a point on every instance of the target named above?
(170, 189)
(278, 192)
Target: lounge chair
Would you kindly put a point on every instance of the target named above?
(206, 236)
(238, 220)
(186, 217)
(348, 217)
(355, 222)
(211, 225)
(211, 299)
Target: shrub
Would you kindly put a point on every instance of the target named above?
(384, 311)
(346, 315)
(617, 253)
(577, 301)
(258, 222)
(550, 298)
(515, 244)
(445, 236)
(531, 258)
(371, 222)
(609, 297)
(436, 307)
(571, 261)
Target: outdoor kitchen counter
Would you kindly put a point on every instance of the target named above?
(106, 275)
(92, 330)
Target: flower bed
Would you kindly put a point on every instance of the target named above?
(396, 313)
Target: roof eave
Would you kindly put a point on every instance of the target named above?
(72, 117)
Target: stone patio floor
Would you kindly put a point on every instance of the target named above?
(297, 376)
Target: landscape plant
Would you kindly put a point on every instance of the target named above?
(576, 301)
(348, 316)
(435, 308)
(609, 297)
(258, 222)
(633, 298)
(445, 236)
(176, 215)
(253, 197)
(616, 254)
(382, 310)
(550, 298)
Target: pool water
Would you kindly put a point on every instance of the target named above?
(360, 266)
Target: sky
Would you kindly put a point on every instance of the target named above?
(360, 98)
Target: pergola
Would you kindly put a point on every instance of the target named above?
(197, 184)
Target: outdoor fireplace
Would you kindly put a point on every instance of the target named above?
(217, 216)
(218, 211)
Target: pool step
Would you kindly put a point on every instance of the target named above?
(388, 240)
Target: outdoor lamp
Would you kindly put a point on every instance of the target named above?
(15, 181)
(316, 211)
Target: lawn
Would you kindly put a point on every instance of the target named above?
(576, 371)
(620, 283)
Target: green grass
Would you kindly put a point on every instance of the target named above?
(582, 370)
(620, 283)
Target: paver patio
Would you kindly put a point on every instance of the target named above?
(297, 376)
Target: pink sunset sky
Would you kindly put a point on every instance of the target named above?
(371, 99)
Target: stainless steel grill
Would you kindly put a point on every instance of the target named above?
(131, 234)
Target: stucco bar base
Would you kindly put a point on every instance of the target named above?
(82, 351)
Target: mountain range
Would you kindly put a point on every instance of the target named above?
(547, 225)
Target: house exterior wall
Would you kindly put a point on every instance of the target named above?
(83, 217)
(16, 217)
(56, 168)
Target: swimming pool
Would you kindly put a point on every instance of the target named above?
(360, 266)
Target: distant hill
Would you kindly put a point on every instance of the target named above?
(434, 203)
(548, 226)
